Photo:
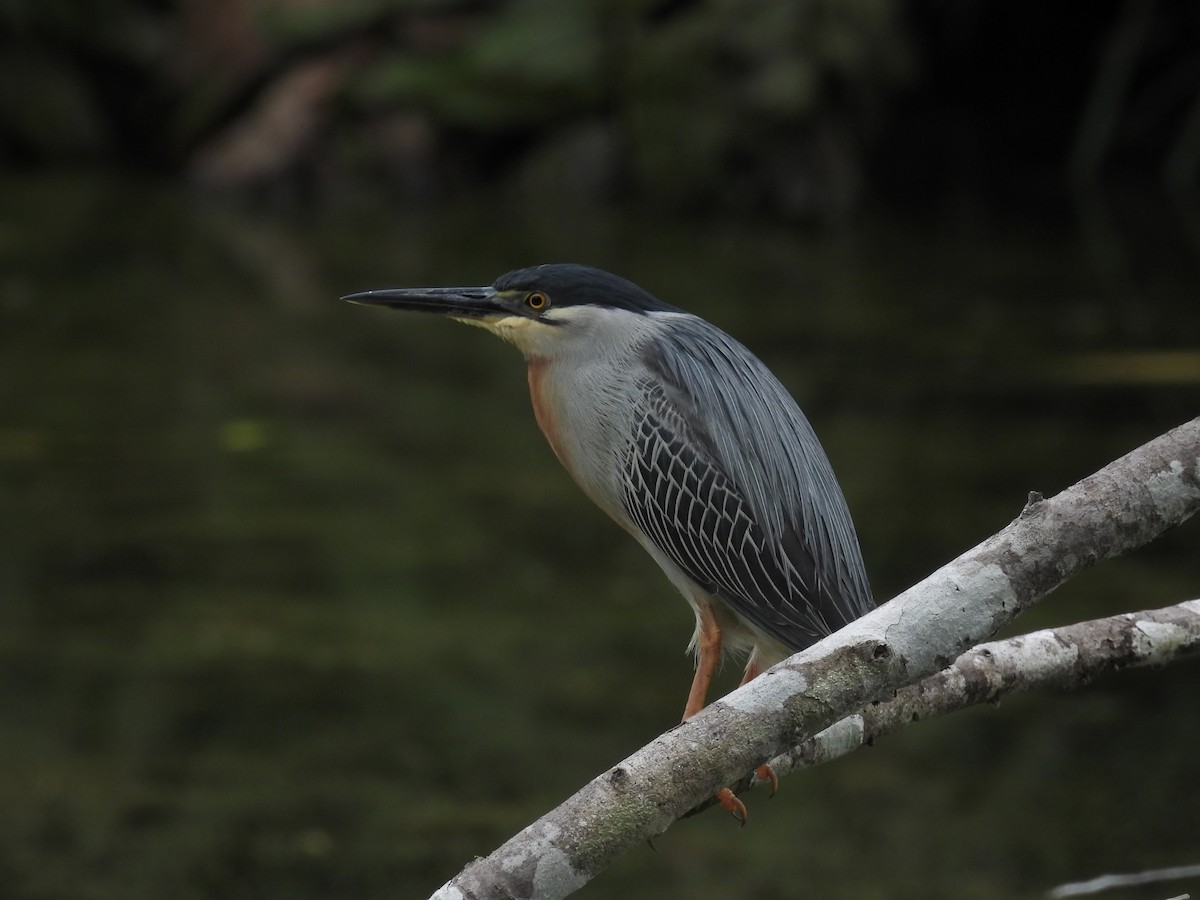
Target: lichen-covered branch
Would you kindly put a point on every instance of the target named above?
(1123, 506)
(1058, 658)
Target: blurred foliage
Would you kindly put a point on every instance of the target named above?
(804, 108)
(674, 99)
(735, 103)
(534, 61)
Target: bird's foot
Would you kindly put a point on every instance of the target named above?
(731, 804)
(729, 801)
(767, 774)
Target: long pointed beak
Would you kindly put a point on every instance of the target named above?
(458, 303)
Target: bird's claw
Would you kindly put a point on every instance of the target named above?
(766, 773)
(730, 803)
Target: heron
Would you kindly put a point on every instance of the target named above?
(689, 442)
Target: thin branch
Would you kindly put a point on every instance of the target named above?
(1121, 507)
(1136, 879)
(1058, 658)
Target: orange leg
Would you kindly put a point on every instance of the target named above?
(709, 646)
(708, 643)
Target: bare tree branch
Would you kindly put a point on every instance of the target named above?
(1058, 658)
(1135, 879)
(1123, 506)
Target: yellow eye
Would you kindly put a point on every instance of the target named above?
(537, 301)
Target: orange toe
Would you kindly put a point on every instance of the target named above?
(729, 802)
(766, 773)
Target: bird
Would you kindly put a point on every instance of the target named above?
(687, 440)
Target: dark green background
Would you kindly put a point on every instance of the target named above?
(296, 602)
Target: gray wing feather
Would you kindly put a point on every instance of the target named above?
(725, 475)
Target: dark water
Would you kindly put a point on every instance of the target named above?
(296, 603)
